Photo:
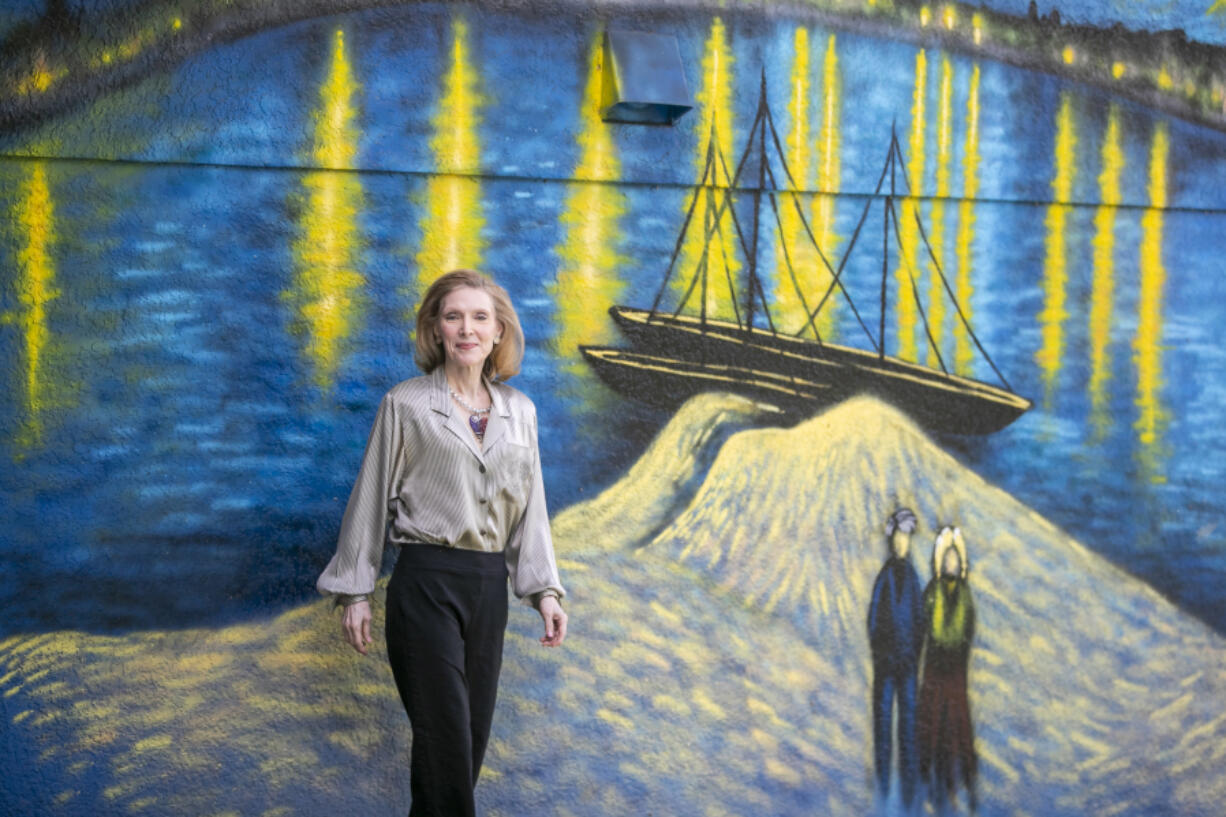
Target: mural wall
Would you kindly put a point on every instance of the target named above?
(219, 220)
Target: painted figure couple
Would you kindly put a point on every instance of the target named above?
(908, 629)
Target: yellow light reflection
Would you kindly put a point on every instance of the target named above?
(963, 352)
(1050, 356)
(587, 283)
(828, 171)
(451, 227)
(790, 312)
(936, 229)
(723, 257)
(1102, 291)
(908, 237)
(34, 224)
(327, 284)
(1147, 345)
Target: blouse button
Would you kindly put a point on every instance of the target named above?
(482, 468)
(484, 500)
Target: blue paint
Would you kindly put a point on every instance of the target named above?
(191, 471)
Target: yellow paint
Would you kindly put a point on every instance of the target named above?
(672, 706)
(936, 224)
(671, 618)
(925, 15)
(1102, 292)
(1050, 356)
(791, 307)
(996, 762)
(34, 226)
(40, 79)
(908, 236)
(152, 744)
(828, 173)
(723, 256)
(1068, 55)
(1147, 345)
(950, 16)
(705, 704)
(452, 224)
(782, 772)
(964, 354)
(1164, 79)
(587, 281)
(327, 284)
(977, 27)
(615, 719)
(1118, 69)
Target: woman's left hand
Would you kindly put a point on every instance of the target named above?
(555, 621)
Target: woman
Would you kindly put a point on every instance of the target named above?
(946, 738)
(452, 475)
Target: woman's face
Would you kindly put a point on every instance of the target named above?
(467, 326)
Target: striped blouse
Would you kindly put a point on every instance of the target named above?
(425, 474)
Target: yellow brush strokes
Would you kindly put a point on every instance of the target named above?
(723, 260)
(963, 352)
(34, 224)
(451, 228)
(790, 313)
(587, 282)
(908, 237)
(828, 170)
(936, 235)
(326, 254)
(1102, 292)
(1050, 356)
(1147, 345)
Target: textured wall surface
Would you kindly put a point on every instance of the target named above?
(217, 222)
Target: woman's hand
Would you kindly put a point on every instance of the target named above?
(356, 625)
(555, 621)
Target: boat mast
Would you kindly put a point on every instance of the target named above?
(885, 244)
(760, 125)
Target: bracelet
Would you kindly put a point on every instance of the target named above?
(345, 600)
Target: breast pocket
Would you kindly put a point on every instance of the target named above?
(514, 462)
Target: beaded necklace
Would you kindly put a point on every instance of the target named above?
(477, 418)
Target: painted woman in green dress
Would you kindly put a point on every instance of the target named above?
(946, 736)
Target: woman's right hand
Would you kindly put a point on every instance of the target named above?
(356, 625)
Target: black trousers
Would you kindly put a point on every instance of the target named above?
(446, 616)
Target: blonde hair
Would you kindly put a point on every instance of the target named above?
(508, 354)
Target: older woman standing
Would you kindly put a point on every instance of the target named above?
(451, 475)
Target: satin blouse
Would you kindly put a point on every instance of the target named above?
(425, 478)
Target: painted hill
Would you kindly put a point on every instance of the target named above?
(717, 664)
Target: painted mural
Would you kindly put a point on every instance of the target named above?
(219, 217)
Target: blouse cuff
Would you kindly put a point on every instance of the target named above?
(345, 599)
(537, 598)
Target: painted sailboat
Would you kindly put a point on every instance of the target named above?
(676, 354)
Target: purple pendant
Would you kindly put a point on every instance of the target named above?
(477, 424)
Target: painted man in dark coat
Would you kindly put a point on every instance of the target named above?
(896, 637)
